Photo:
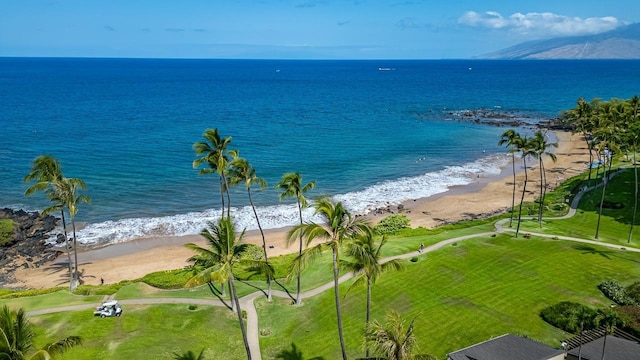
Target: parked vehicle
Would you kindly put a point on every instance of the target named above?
(109, 308)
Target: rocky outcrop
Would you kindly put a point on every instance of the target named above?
(28, 247)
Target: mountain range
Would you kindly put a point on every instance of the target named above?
(620, 43)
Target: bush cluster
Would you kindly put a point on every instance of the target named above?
(564, 315)
(170, 279)
(616, 292)
(12, 294)
(392, 224)
(633, 291)
(6, 231)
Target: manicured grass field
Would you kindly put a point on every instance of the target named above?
(146, 332)
(461, 295)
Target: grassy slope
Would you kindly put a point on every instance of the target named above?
(462, 295)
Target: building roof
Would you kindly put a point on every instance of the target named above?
(617, 348)
(506, 347)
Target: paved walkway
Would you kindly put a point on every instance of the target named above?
(247, 301)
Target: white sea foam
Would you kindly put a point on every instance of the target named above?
(384, 194)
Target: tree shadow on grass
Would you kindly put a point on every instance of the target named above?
(607, 254)
(218, 293)
(294, 354)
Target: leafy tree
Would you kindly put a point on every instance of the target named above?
(539, 146)
(633, 138)
(45, 170)
(609, 319)
(513, 141)
(292, 186)
(213, 152)
(392, 224)
(68, 192)
(16, 338)
(365, 262)
(526, 150)
(339, 226)
(240, 171)
(225, 249)
(391, 341)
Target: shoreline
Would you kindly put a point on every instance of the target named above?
(484, 197)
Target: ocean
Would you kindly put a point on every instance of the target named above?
(370, 133)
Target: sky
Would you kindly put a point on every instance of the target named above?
(299, 29)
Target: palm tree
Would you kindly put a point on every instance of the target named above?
(213, 152)
(366, 264)
(391, 340)
(189, 355)
(511, 139)
(224, 252)
(633, 137)
(46, 170)
(526, 150)
(16, 338)
(67, 189)
(240, 171)
(292, 186)
(539, 146)
(581, 118)
(339, 227)
(610, 319)
(584, 316)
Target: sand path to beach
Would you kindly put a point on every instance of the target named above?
(136, 258)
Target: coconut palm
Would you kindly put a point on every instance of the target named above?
(16, 338)
(68, 191)
(525, 150)
(213, 153)
(225, 248)
(539, 146)
(189, 355)
(365, 262)
(609, 319)
(339, 226)
(511, 139)
(391, 341)
(292, 186)
(584, 316)
(45, 170)
(240, 171)
(581, 119)
(633, 138)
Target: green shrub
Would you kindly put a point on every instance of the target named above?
(563, 315)
(11, 294)
(630, 316)
(6, 231)
(252, 252)
(414, 259)
(169, 279)
(615, 292)
(392, 224)
(101, 289)
(633, 291)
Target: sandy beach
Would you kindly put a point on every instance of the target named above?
(487, 195)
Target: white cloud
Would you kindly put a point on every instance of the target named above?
(541, 24)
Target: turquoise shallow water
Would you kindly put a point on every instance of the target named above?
(367, 136)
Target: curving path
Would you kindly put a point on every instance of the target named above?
(247, 301)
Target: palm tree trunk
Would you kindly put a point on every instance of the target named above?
(336, 291)
(635, 197)
(590, 157)
(368, 317)
(75, 254)
(524, 189)
(513, 195)
(604, 343)
(66, 245)
(298, 299)
(264, 243)
(233, 304)
(580, 346)
(604, 188)
(234, 296)
(540, 201)
(222, 196)
(226, 187)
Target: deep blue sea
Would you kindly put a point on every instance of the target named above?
(370, 133)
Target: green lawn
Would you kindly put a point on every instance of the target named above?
(58, 298)
(146, 332)
(461, 294)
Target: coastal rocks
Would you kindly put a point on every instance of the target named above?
(27, 247)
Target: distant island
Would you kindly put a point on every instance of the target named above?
(620, 43)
